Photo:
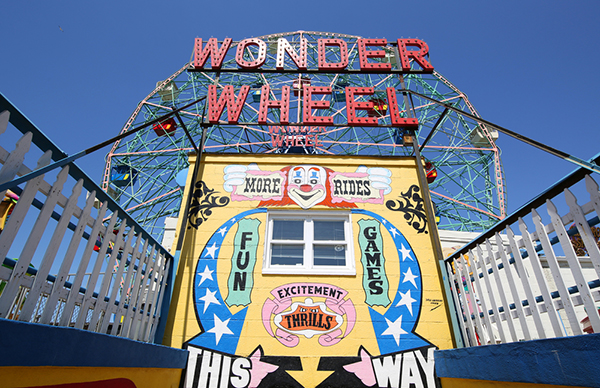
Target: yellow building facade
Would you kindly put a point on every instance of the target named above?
(305, 271)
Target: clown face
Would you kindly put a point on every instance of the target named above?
(306, 185)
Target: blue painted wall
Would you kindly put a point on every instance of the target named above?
(27, 344)
(571, 361)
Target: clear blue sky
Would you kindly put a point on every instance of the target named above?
(78, 69)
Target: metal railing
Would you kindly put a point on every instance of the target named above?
(52, 230)
(536, 273)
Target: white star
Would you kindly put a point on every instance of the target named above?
(222, 231)
(210, 298)
(211, 251)
(220, 328)
(394, 329)
(405, 252)
(409, 277)
(233, 220)
(393, 231)
(384, 221)
(407, 301)
(207, 274)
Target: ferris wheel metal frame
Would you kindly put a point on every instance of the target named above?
(468, 193)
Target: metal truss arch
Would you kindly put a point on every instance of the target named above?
(469, 192)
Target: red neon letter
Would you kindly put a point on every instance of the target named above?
(417, 55)
(284, 46)
(283, 105)
(309, 105)
(211, 48)
(234, 106)
(260, 59)
(323, 64)
(352, 106)
(364, 54)
(404, 122)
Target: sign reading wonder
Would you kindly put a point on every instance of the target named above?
(221, 97)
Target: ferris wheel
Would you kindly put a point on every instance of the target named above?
(463, 162)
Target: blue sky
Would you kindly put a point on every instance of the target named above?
(78, 69)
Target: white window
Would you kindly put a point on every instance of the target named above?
(309, 243)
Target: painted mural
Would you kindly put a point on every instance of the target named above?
(305, 275)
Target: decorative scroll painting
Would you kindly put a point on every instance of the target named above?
(372, 328)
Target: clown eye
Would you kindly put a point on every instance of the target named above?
(297, 181)
(313, 181)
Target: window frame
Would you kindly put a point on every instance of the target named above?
(308, 242)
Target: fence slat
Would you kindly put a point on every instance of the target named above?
(100, 303)
(486, 317)
(121, 260)
(63, 273)
(479, 328)
(471, 336)
(65, 319)
(565, 242)
(50, 254)
(136, 291)
(505, 304)
(525, 282)
(584, 230)
(143, 295)
(88, 300)
(20, 210)
(592, 188)
(38, 293)
(454, 283)
(160, 291)
(541, 281)
(491, 296)
(555, 270)
(4, 117)
(150, 298)
(154, 311)
(558, 265)
(120, 309)
(15, 160)
(512, 285)
(25, 200)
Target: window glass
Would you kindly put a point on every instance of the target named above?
(283, 254)
(304, 242)
(288, 230)
(330, 255)
(329, 230)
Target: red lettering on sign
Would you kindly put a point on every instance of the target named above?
(352, 106)
(395, 112)
(211, 49)
(323, 44)
(283, 105)
(417, 55)
(283, 46)
(364, 54)
(234, 106)
(261, 55)
(310, 104)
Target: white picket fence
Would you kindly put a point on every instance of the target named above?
(524, 279)
(60, 228)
